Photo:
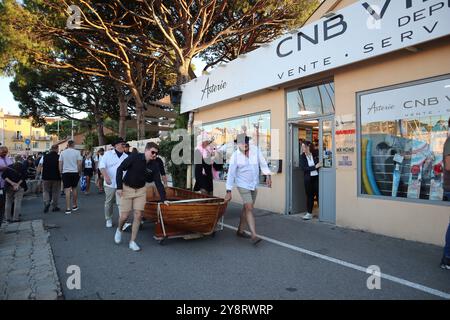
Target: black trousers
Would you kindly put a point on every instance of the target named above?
(311, 190)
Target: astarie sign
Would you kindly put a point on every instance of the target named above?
(416, 101)
(365, 29)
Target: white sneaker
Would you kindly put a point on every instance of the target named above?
(133, 246)
(126, 226)
(307, 216)
(109, 223)
(118, 236)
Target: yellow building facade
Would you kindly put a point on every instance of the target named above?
(21, 137)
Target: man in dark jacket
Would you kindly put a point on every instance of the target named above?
(15, 186)
(51, 178)
(132, 191)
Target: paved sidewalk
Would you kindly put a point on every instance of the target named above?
(27, 268)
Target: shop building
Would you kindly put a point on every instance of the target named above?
(369, 83)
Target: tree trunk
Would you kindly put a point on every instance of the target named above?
(123, 111)
(183, 72)
(183, 77)
(100, 131)
(140, 119)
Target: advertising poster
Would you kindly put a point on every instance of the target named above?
(345, 137)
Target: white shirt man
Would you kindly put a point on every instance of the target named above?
(244, 172)
(108, 165)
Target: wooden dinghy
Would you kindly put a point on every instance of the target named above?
(189, 213)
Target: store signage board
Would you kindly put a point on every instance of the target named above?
(363, 30)
(412, 102)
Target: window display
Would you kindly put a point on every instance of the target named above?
(402, 136)
(223, 133)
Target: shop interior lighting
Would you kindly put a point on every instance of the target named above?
(305, 112)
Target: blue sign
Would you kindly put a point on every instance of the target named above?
(27, 141)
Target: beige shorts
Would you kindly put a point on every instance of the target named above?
(248, 196)
(132, 199)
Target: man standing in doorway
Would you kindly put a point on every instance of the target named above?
(70, 168)
(244, 171)
(51, 178)
(109, 163)
(5, 161)
(132, 190)
(445, 263)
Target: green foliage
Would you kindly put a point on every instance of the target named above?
(65, 128)
(281, 16)
(91, 140)
(178, 172)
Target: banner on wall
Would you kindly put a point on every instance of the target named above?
(363, 30)
(421, 100)
(345, 140)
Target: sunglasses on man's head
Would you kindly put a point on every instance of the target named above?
(154, 153)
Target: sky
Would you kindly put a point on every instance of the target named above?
(8, 103)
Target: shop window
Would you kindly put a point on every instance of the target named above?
(223, 133)
(311, 101)
(403, 130)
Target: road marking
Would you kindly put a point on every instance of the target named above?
(403, 282)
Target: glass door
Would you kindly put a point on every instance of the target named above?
(327, 174)
(296, 190)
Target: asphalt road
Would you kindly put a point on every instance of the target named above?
(228, 267)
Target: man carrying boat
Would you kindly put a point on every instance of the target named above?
(132, 191)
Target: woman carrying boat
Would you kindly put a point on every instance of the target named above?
(204, 160)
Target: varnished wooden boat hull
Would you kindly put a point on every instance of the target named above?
(183, 218)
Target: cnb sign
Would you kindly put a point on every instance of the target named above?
(328, 43)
